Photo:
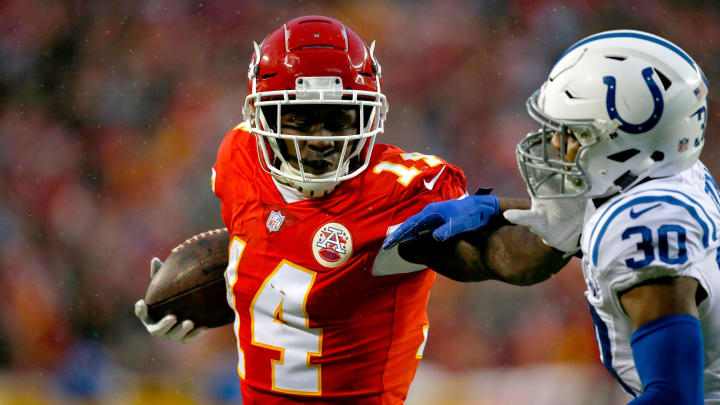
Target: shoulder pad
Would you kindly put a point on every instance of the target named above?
(655, 227)
(236, 158)
(413, 172)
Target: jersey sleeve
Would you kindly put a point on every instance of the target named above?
(648, 237)
(418, 180)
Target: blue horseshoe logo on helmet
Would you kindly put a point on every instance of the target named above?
(657, 100)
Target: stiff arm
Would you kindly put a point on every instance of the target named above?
(498, 251)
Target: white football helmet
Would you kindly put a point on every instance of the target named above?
(636, 103)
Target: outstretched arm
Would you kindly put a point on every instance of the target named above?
(496, 250)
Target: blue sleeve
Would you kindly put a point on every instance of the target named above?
(669, 357)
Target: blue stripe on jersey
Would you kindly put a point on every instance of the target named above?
(601, 332)
(624, 198)
(714, 232)
(707, 172)
(604, 214)
(642, 200)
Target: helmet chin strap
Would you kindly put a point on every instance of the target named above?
(311, 189)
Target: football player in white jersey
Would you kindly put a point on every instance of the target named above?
(615, 166)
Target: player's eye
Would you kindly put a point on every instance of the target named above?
(296, 122)
(341, 122)
(336, 126)
(570, 132)
(295, 119)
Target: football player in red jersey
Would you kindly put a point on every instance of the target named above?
(322, 313)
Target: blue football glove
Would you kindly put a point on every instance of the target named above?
(447, 218)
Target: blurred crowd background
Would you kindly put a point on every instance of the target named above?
(110, 116)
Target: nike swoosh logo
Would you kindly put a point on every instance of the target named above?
(634, 214)
(430, 184)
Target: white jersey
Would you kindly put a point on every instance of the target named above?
(663, 227)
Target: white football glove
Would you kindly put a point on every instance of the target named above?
(557, 221)
(168, 327)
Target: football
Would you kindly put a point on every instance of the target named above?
(191, 283)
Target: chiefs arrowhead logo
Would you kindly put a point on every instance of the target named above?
(332, 245)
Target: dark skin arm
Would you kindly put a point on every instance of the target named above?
(661, 297)
(499, 251)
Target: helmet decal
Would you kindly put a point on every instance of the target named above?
(701, 114)
(657, 104)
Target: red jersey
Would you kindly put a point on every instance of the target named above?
(312, 321)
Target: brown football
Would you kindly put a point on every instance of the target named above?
(191, 282)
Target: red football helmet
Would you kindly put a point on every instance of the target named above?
(314, 60)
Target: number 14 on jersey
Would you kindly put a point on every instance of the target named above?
(279, 321)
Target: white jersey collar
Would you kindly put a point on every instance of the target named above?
(289, 194)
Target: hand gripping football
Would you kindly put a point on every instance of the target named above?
(191, 283)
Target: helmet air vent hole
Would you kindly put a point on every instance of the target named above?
(625, 179)
(664, 79)
(366, 74)
(657, 156)
(567, 93)
(318, 47)
(268, 75)
(624, 155)
(315, 21)
(620, 58)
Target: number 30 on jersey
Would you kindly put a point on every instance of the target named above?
(665, 234)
